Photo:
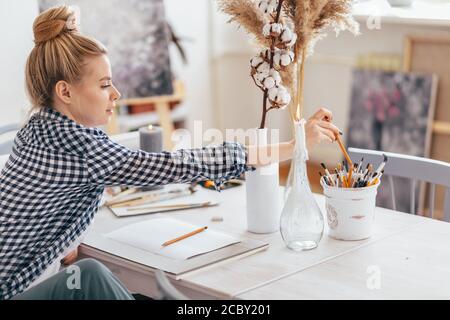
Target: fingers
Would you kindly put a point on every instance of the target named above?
(323, 114)
(329, 126)
(330, 137)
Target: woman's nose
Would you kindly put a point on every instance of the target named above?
(116, 94)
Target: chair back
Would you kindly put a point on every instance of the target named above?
(415, 169)
(6, 146)
(166, 290)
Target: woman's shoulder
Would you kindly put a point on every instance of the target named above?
(50, 129)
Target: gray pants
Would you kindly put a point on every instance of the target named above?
(96, 282)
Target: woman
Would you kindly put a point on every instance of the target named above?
(53, 181)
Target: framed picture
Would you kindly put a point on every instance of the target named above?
(392, 112)
(136, 36)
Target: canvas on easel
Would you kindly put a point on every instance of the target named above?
(136, 35)
(392, 112)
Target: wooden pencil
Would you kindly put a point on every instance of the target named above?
(190, 234)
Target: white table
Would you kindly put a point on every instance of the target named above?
(409, 254)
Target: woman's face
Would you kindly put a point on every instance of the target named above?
(94, 97)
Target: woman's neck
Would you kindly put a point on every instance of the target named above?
(64, 110)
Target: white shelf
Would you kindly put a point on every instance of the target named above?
(424, 13)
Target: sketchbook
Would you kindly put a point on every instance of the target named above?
(191, 255)
(149, 235)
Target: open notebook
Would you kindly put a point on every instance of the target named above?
(141, 243)
(149, 235)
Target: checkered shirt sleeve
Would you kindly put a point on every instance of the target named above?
(110, 163)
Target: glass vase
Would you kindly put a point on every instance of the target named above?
(301, 222)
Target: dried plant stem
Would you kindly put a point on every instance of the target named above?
(263, 119)
(272, 52)
(301, 83)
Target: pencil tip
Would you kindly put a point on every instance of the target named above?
(323, 165)
(385, 158)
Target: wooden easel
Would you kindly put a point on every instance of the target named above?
(429, 54)
(162, 105)
(426, 59)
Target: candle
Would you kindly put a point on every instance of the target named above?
(151, 140)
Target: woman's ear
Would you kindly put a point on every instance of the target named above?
(63, 91)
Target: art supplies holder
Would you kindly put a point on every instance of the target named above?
(350, 211)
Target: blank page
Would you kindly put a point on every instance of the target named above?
(149, 235)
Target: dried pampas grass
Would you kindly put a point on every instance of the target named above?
(309, 19)
(247, 15)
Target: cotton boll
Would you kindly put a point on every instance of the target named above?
(272, 93)
(283, 96)
(256, 60)
(272, 29)
(277, 59)
(287, 35)
(269, 83)
(275, 75)
(263, 68)
(279, 95)
(260, 77)
(265, 53)
(273, 3)
(270, 9)
(286, 58)
(263, 5)
(277, 28)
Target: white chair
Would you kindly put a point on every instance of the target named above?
(416, 169)
(6, 144)
(166, 290)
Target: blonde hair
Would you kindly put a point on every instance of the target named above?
(58, 54)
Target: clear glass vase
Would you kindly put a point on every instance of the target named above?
(301, 223)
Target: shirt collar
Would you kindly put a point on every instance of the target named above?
(52, 114)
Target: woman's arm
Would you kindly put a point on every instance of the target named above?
(318, 129)
(265, 155)
(109, 163)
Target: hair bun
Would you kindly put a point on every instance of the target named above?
(48, 30)
(52, 23)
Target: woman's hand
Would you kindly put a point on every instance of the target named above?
(319, 129)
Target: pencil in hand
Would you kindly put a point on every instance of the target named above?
(184, 236)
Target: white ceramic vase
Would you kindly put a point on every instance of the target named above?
(264, 201)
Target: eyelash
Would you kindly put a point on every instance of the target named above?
(108, 85)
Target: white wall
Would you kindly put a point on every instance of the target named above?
(16, 19)
(192, 22)
(327, 76)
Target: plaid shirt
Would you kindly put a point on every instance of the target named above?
(54, 179)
